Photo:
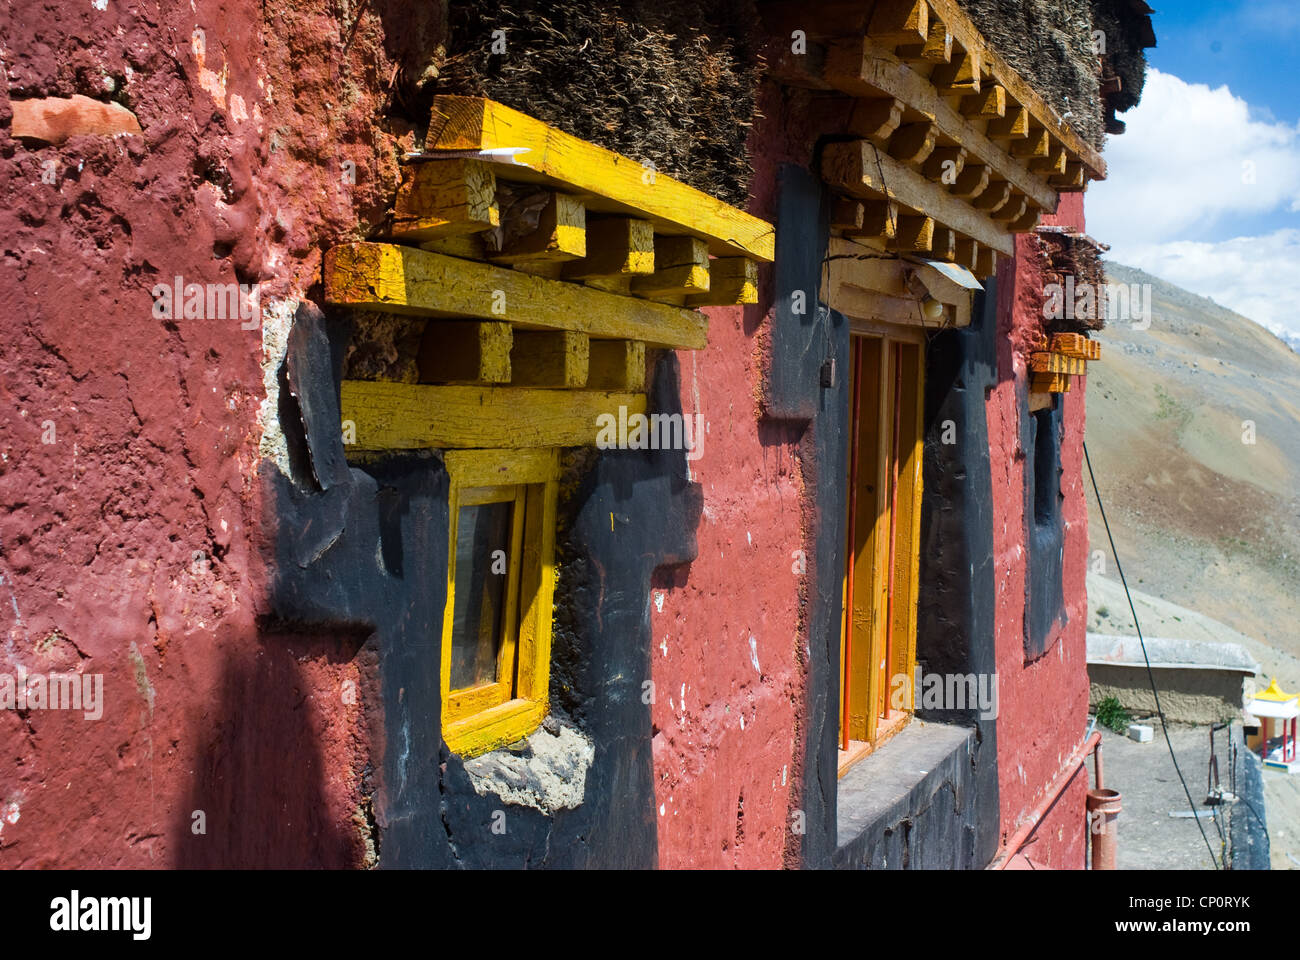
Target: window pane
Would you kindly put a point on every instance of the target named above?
(480, 594)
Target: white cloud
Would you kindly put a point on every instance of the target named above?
(1258, 277)
(1192, 162)
(1187, 161)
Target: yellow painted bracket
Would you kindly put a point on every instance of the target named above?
(609, 182)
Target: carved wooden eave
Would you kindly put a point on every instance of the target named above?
(954, 151)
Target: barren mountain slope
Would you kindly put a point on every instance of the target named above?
(1201, 516)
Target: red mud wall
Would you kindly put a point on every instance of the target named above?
(130, 512)
(1042, 706)
(726, 759)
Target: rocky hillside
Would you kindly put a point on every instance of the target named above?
(1203, 517)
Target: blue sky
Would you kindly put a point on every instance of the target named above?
(1204, 187)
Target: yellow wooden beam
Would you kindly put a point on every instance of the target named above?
(1027, 221)
(549, 358)
(732, 280)
(944, 245)
(616, 247)
(405, 416)
(960, 76)
(681, 267)
(972, 181)
(617, 184)
(994, 197)
(1043, 362)
(1076, 345)
(900, 21)
(945, 164)
(407, 280)
(913, 143)
(876, 118)
(862, 170)
(967, 253)
(443, 198)
(561, 234)
(1073, 178)
(986, 264)
(915, 235)
(1037, 144)
(1012, 210)
(1013, 125)
(936, 49)
(1049, 383)
(465, 351)
(989, 103)
(617, 365)
(846, 214)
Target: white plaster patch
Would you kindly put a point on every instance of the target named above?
(551, 775)
(659, 601)
(753, 653)
(99, 4)
(277, 319)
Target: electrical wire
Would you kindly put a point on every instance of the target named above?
(1150, 676)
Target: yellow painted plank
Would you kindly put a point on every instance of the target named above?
(488, 468)
(616, 247)
(624, 185)
(1076, 345)
(497, 727)
(859, 168)
(403, 416)
(1049, 383)
(681, 267)
(864, 69)
(410, 281)
(549, 358)
(444, 198)
(1044, 362)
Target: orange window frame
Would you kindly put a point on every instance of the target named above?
(878, 624)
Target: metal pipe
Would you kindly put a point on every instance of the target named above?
(1012, 846)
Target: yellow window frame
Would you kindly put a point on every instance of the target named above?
(480, 718)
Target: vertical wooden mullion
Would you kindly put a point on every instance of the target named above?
(448, 615)
(880, 539)
(862, 617)
(510, 613)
